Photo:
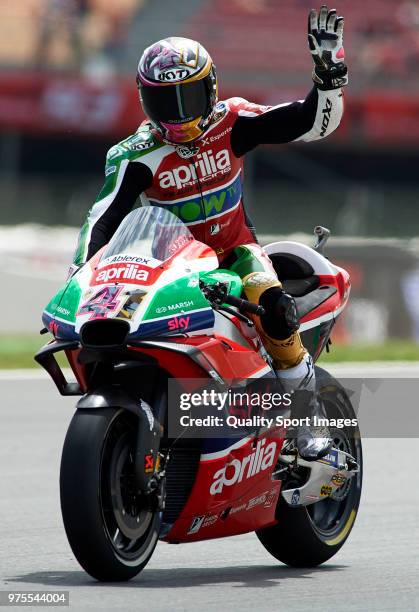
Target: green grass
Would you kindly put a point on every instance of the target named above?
(17, 351)
(395, 350)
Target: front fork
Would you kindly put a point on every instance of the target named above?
(150, 465)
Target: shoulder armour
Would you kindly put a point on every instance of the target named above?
(134, 146)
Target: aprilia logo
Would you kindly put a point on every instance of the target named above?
(131, 273)
(326, 116)
(236, 471)
(207, 164)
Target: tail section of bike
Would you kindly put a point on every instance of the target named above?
(321, 289)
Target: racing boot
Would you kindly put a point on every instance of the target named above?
(278, 331)
(313, 440)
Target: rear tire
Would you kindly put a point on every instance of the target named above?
(110, 528)
(309, 536)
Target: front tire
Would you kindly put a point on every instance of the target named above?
(309, 536)
(111, 529)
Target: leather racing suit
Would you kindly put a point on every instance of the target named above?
(202, 185)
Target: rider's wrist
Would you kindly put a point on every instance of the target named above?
(333, 77)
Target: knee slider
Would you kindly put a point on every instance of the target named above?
(281, 319)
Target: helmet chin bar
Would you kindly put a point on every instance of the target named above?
(202, 126)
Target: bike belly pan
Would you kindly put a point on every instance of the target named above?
(233, 491)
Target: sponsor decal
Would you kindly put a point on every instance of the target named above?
(295, 499)
(174, 75)
(178, 323)
(186, 152)
(238, 509)
(122, 272)
(209, 139)
(326, 116)
(178, 306)
(212, 204)
(256, 501)
(199, 522)
(267, 499)
(147, 261)
(131, 305)
(115, 151)
(110, 170)
(141, 146)
(220, 111)
(179, 243)
(139, 142)
(210, 520)
(63, 310)
(148, 464)
(149, 414)
(325, 491)
(261, 458)
(53, 328)
(206, 165)
(331, 458)
(214, 229)
(193, 282)
(270, 498)
(338, 480)
(196, 524)
(102, 303)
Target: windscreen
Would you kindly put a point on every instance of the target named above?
(151, 232)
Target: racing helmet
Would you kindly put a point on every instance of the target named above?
(177, 84)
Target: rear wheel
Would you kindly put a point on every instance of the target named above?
(309, 536)
(111, 529)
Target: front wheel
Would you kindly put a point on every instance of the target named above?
(111, 529)
(309, 536)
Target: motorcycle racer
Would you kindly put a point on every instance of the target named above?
(188, 156)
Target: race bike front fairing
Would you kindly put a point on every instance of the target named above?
(146, 278)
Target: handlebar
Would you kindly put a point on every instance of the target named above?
(217, 295)
(244, 305)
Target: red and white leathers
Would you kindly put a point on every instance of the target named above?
(202, 183)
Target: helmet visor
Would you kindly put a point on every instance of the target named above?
(177, 103)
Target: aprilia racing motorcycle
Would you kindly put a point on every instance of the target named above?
(152, 307)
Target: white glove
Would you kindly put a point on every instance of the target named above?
(325, 39)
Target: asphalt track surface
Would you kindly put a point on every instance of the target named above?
(377, 569)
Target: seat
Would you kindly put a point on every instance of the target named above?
(312, 300)
(298, 287)
(296, 275)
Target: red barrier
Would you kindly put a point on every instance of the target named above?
(51, 104)
(45, 104)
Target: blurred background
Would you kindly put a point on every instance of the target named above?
(67, 93)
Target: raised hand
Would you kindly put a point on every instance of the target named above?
(325, 39)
